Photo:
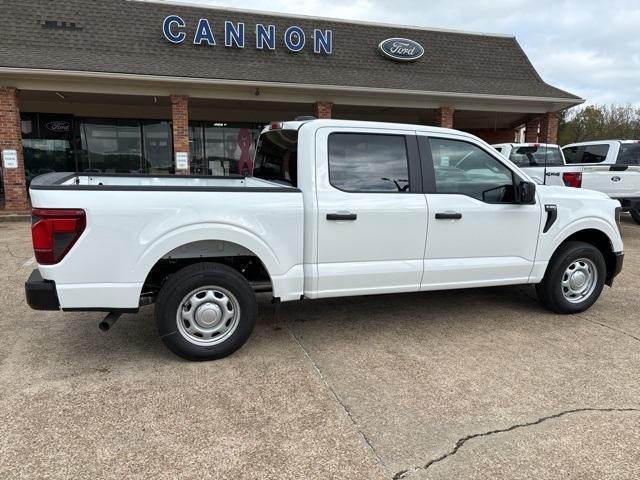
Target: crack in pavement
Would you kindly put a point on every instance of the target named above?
(338, 400)
(458, 445)
(609, 327)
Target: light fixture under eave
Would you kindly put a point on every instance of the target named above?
(61, 96)
(155, 99)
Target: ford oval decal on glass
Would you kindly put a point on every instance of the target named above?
(401, 49)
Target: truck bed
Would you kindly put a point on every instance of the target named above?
(124, 181)
(134, 221)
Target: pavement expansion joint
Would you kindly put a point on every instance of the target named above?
(338, 400)
(405, 473)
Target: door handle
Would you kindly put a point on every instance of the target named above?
(341, 216)
(448, 216)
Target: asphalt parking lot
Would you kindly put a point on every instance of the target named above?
(470, 384)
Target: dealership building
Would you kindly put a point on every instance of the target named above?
(156, 87)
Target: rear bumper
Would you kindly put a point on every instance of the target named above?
(617, 267)
(41, 294)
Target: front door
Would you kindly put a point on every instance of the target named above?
(371, 213)
(477, 234)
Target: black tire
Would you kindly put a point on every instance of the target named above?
(551, 291)
(184, 283)
(635, 214)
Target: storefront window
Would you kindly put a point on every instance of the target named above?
(196, 148)
(228, 148)
(46, 141)
(101, 145)
(111, 146)
(158, 149)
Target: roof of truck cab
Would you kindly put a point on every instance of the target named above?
(297, 124)
(527, 144)
(598, 142)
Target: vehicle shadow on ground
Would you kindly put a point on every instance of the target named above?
(134, 337)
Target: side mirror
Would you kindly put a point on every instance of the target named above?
(526, 193)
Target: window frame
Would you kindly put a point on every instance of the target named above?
(414, 165)
(429, 174)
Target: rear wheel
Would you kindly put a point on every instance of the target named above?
(574, 278)
(635, 214)
(205, 311)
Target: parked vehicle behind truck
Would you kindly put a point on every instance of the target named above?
(609, 166)
(335, 208)
(544, 162)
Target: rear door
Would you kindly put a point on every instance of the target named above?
(372, 214)
(598, 171)
(477, 234)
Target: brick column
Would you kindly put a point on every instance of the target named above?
(180, 118)
(531, 130)
(549, 127)
(444, 117)
(15, 190)
(322, 109)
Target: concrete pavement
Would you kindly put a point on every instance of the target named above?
(465, 384)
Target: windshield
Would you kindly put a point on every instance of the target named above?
(536, 156)
(277, 157)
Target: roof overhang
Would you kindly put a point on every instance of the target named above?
(134, 84)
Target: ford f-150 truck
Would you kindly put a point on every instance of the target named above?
(543, 162)
(335, 208)
(609, 166)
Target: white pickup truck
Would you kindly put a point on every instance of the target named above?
(543, 162)
(335, 208)
(609, 166)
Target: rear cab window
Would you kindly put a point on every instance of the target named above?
(276, 157)
(536, 156)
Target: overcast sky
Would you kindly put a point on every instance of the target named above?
(590, 48)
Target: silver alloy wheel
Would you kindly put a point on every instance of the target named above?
(579, 280)
(208, 315)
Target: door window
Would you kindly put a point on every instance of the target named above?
(364, 162)
(629, 154)
(465, 169)
(571, 154)
(586, 154)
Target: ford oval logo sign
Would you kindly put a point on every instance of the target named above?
(401, 49)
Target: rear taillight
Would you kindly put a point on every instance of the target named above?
(572, 179)
(54, 232)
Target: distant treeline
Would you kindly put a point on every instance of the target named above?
(599, 122)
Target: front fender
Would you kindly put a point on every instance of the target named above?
(550, 245)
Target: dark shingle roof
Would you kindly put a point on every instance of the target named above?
(122, 36)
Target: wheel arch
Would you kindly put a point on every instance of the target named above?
(600, 240)
(200, 243)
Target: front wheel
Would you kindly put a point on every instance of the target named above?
(635, 214)
(574, 278)
(205, 311)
